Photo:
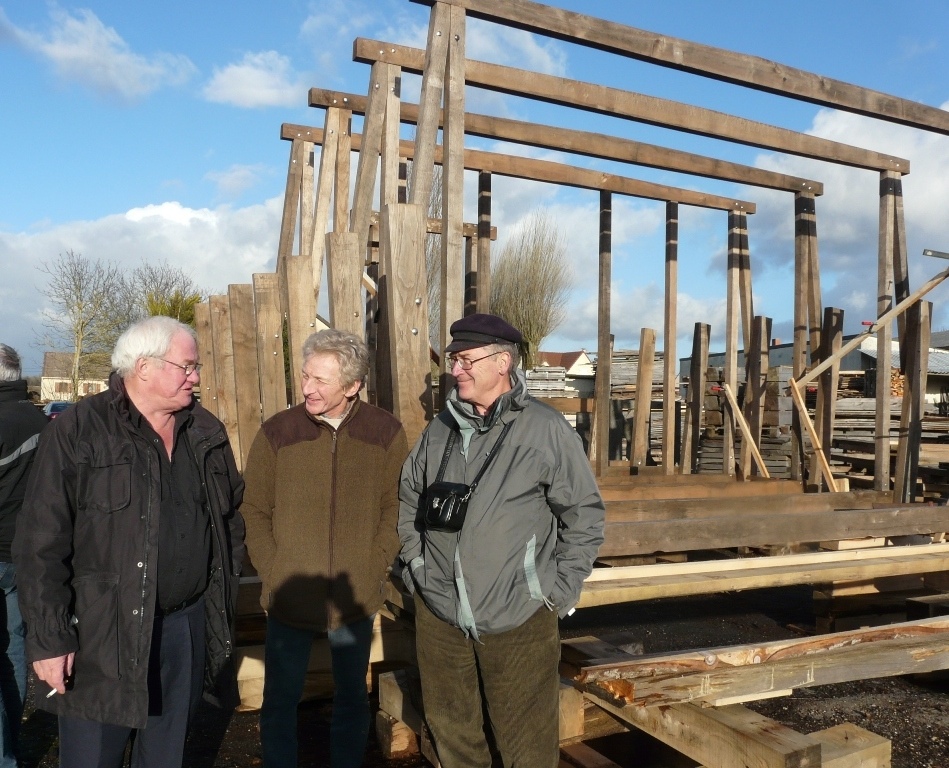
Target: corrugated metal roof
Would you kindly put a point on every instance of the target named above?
(938, 358)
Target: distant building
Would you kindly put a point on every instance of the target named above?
(575, 381)
(56, 379)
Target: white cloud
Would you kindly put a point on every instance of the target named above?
(215, 246)
(83, 50)
(236, 179)
(511, 47)
(264, 79)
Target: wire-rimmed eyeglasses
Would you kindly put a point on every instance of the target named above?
(188, 369)
(466, 363)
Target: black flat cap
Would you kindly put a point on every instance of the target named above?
(479, 330)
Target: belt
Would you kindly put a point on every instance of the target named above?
(180, 606)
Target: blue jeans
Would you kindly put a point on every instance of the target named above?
(286, 656)
(12, 668)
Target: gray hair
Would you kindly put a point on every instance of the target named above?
(9, 364)
(349, 349)
(150, 337)
(513, 350)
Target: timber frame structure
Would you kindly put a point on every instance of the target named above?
(376, 286)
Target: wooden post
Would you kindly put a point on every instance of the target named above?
(831, 341)
(246, 372)
(324, 193)
(744, 277)
(600, 439)
(881, 464)
(453, 173)
(344, 146)
(301, 317)
(403, 234)
(916, 339)
(643, 402)
(370, 147)
(471, 276)
(803, 210)
(814, 305)
(391, 163)
(698, 365)
(430, 103)
(732, 321)
(345, 264)
(202, 327)
(756, 374)
(224, 370)
(270, 358)
(670, 435)
(901, 287)
(484, 242)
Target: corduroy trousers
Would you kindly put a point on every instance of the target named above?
(512, 677)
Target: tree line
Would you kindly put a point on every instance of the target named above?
(90, 302)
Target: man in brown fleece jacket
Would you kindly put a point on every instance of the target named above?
(321, 506)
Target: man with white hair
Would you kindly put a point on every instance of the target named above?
(129, 548)
(20, 425)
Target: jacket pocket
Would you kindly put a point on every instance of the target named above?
(97, 617)
(530, 573)
(105, 480)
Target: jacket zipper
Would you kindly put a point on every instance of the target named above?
(148, 520)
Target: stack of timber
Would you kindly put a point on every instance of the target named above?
(548, 381)
(624, 370)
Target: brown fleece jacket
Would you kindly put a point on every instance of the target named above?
(321, 508)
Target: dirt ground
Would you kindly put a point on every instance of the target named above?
(913, 713)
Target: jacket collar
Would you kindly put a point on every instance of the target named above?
(468, 418)
(13, 391)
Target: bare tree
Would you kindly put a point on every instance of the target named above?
(530, 281)
(162, 289)
(81, 317)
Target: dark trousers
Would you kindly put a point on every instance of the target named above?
(512, 675)
(286, 656)
(175, 680)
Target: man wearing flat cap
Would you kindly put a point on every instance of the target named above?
(488, 595)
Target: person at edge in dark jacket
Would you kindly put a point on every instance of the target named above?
(128, 552)
(20, 425)
(486, 623)
(321, 507)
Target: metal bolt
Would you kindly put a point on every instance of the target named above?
(438, 34)
(418, 302)
(415, 331)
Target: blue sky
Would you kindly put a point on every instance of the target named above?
(136, 131)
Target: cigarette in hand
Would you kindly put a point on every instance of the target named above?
(51, 693)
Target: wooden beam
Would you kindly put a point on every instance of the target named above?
(766, 529)
(648, 582)
(345, 262)
(638, 107)
(589, 144)
(745, 430)
(226, 395)
(756, 374)
(389, 183)
(732, 329)
(917, 339)
(344, 148)
(885, 252)
(706, 60)
(818, 449)
(371, 147)
(558, 173)
(831, 340)
(483, 289)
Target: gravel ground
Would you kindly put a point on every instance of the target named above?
(913, 713)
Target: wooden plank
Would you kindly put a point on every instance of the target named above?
(324, 191)
(301, 317)
(731, 490)
(224, 369)
(886, 245)
(343, 168)
(731, 735)
(914, 349)
(636, 106)
(746, 430)
(435, 59)
(402, 235)
(270, 357)
(345, 262)
(850, 746)
(831, 341)
(816, 446)
(599, 145)
(307, 200)
(246, 373)
(756, 374)
(202, 327)
(584, 756)
(879, 658)
(291, 200)
(706, 60)
(389, 183)
(639, 537)
(600, 428)
(670, 392)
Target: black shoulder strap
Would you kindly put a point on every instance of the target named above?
(491, 453)
(451, 442)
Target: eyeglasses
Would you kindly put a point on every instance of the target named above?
(188, 369)
(465, 363)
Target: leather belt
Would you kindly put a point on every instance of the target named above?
(180, 606)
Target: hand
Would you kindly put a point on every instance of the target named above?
(55, 671)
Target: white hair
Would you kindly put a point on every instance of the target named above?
(150, 337)
(9, 364)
